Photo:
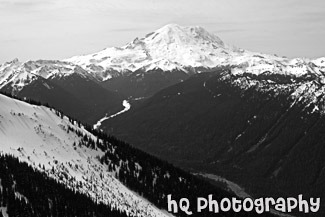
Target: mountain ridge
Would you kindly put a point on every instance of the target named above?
(55, 144)
(171, 48)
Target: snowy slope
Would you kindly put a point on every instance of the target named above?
(38, 136)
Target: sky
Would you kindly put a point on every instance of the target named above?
(58, 29)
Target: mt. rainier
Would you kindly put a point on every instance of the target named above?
(170, 48)
(190, 49)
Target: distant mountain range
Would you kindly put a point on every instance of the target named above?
(162, 58)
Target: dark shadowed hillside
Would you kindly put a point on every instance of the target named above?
(28, 192)
(144, 84)
(260, 133)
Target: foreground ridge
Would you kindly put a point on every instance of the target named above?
(87, 161)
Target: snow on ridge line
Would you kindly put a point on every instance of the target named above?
(20, 74)
(3, 211)
(36, 135)
(127, 107)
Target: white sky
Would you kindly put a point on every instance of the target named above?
(57, 29)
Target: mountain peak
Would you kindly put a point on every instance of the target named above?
(184, 35)
(171, 26)
(183, 46)
(14, 61)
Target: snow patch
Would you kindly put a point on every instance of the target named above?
(3, 210)
(127, 107)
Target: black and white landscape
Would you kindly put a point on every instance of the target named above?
(177, 111)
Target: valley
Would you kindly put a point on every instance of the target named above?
(238, 130)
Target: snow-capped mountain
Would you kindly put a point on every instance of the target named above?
(17, 75)
(51, 144)
(168, 48)
(190, 49)
(171, 48)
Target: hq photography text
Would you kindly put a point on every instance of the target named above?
(260, 205)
